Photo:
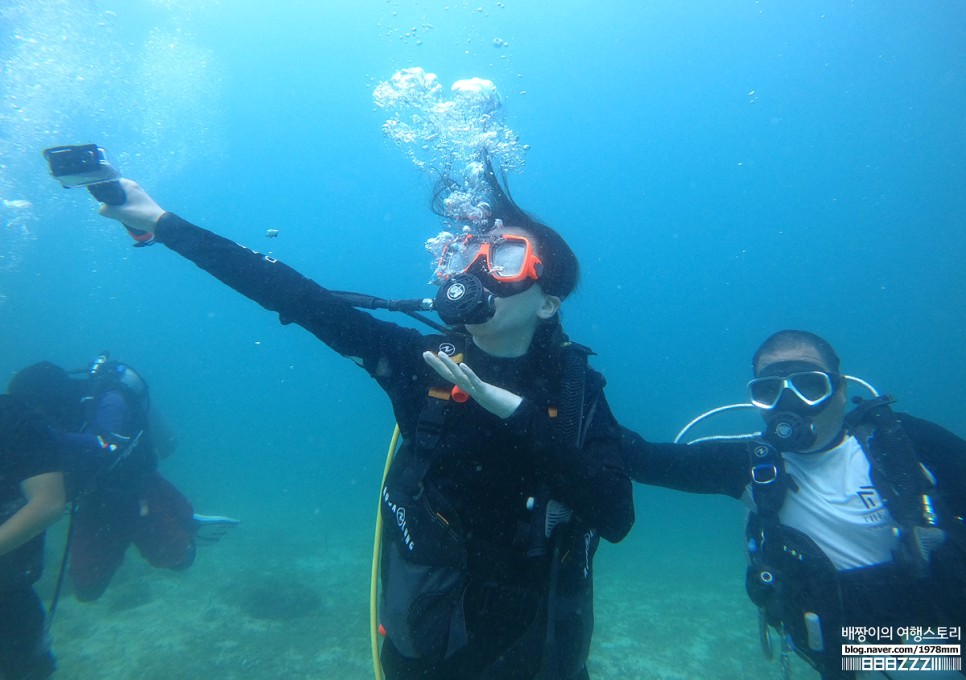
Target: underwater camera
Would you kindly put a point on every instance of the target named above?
(86, 166)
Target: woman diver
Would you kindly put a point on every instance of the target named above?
(509, 469)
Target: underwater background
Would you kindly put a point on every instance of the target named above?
(722, 169)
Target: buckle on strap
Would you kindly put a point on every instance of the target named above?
(764, 474)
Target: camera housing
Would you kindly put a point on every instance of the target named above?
(80, 166)
(86, 166)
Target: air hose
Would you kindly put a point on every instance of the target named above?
(374, 576)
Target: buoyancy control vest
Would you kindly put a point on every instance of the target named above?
(129, 456)
(792, 581)
(430, 560)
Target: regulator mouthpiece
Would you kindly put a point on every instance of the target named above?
(789, 431)
(462, 299)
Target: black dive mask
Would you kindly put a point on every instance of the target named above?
(790, 422)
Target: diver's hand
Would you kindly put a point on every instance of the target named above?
(139, 211)
(496, 400)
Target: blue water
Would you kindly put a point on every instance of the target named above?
(723, 170)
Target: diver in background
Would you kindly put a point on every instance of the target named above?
(31, 499)
(856, 517)
(112, 478)
(508, 471)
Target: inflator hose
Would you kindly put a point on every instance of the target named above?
(374, 576)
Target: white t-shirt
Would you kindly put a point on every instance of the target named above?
(837, 506)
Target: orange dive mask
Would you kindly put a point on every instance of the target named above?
(505, 258)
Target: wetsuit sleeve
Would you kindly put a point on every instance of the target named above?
(296, 299)
(944, 454)
(111, 416)
(705, 467)
(590, 479)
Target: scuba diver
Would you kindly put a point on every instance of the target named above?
(856, 517)
(509, 470)
(112, 446)
(31, 499)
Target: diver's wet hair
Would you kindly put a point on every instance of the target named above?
(561, 271)
(791, 340)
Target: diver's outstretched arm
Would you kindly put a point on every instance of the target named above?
(373, 342)
(706, 467)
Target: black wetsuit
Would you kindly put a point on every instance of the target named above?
(878, 595)
(459, 587)
(27, 449)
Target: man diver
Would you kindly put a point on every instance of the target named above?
(112, 447)
(31, 499)
(856, 516)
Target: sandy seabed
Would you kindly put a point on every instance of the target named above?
(284, 604)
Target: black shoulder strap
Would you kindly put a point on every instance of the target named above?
(903, 483)
(896, 472)
(769, 482)
(432, 417)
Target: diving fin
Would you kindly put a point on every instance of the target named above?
(210, 528)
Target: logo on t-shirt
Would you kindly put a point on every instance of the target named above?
(870, 498)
